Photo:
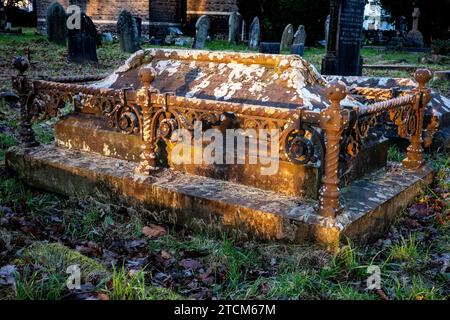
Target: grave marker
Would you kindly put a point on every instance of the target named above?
(287, 38)
(345, 36)
(300, 35)
(415, 37)
(254, 35)
(127, 29)
(234, 23)
(201, 32)
(82, 45)
(56, 23)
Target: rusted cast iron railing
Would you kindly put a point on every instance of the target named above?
(155, 116)
(407, 112)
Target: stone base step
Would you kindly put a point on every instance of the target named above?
(206, 204)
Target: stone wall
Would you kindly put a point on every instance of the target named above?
(154, 13)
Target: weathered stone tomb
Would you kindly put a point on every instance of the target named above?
(145, 136)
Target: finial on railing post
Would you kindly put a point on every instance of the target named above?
(148, 155)
(24, 88)
(414, 159)
(332, 122)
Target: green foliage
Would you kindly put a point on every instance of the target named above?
(222, 45)
(6, 141)
(127, 286)
(34, 286)
(441, 46)
(43, 275)
(416, 290)
(395, 155)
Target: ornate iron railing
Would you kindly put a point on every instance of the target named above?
(154, 116)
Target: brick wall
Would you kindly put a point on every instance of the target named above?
(103, 12)
(152, 12)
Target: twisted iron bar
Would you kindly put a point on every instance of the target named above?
(75, 79)
(378, 107)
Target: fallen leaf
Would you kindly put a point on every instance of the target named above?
(154, 231)
(382, 294)
(190, 264)
(102, 296)
(166, 255)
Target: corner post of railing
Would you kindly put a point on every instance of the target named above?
(147, 162)
(415, 151)
(24, 88)
(333, 122)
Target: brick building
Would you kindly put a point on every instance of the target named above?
(156, 15)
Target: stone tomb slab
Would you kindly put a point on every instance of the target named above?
(371, 204)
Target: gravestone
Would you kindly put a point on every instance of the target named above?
(82, 45)
(201, 32)
(287, 38)
(56, 23)
(343, 55)
(300, 35)
(270, 47)
(139, 27)
(128, 32)
(327, 29)
(402, 24)
(243, 30)
(298, 49)
(415, 37)
(254, 35)
(234, 22)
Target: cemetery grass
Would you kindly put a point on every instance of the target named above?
(123, 255)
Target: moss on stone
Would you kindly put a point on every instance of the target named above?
(56, 258)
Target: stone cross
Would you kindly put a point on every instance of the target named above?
(416, 16)
(300, 35)
(56, 23)
(201, 32)
(415, 37)
(128, 31)
(287, 38)
(254, 35)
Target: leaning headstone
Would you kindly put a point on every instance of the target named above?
(56, 23)
(298, 49)
(343, 55)
(128, 32)
(234, 22)
(270, 47)
(300, 35)
(254, 35)
(415, 37)
(287, 38)
(201, 32)
(82, 45)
